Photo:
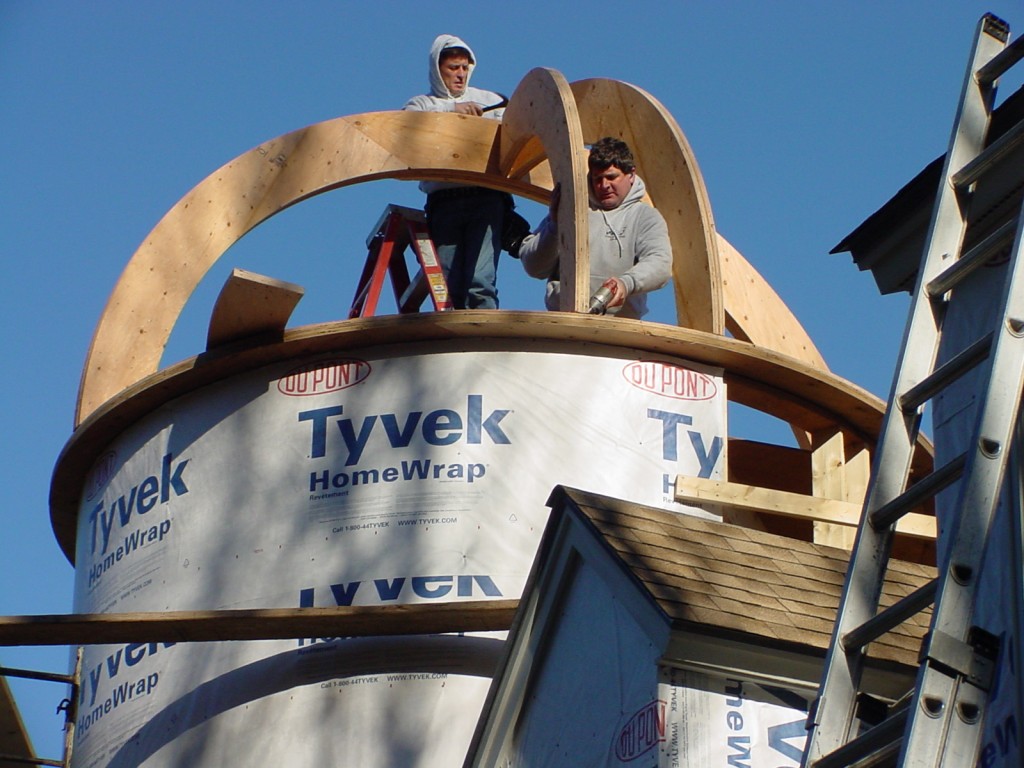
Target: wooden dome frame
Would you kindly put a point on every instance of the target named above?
(546, 125)
(770, 362)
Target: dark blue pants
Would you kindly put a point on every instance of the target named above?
(467, 234)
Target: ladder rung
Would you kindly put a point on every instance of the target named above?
(891, 617)
(988, 157)
(945, 374)
(414, 294)
(878, 742)
(1003, 60)
(916, 494)
(970, 261)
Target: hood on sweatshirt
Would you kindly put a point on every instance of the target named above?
(442, 43)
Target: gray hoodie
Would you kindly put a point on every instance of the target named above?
(629, 242)
(441, 100)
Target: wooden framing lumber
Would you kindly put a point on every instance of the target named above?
(157, 281)
(828, 479)
(543, 106)
(693, 490)
(258, 624)
(251, 305)
(674, 182)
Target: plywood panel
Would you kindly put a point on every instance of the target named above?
(251, 305)
(543, 108)
(669, 169)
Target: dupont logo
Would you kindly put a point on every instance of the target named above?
(670, 380)
(644, 731)
(100, 475)
(320, 378)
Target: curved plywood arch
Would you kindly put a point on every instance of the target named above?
(756, 313)
(716, 287)
(543, 108)
(151, 292)
(542, 118)
(669, 169)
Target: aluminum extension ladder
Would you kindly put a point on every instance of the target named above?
(940, 722)
(397, 228)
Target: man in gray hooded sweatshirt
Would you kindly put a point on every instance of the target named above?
(630, 252)
(465, 222)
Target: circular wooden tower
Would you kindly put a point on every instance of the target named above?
(359, 492)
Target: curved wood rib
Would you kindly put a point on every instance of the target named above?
(756, 313)
(669, 169)
(151, 292)
(543, 106)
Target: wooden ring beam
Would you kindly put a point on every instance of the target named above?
(803, 395)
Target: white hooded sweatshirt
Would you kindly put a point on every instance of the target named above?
(441, 100)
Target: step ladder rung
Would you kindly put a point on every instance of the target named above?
(945, 374)
(891, 617)
(914, 496)
(414, 294)
(399, 228)
(988, 158)
(970, 261)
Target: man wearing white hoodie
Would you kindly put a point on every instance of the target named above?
(465, 222)
(630, 251)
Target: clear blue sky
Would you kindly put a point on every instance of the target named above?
(804, 116)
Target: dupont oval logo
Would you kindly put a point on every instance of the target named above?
(644, 731)
(670, 380)
(320, 378)
(101, 473)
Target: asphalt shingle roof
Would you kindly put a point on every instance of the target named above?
(709, 576)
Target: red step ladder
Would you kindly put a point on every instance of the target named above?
(397, 228)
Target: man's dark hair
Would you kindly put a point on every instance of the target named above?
(610, 151)
(451, 53)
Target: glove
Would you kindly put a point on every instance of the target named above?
(513, 230)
